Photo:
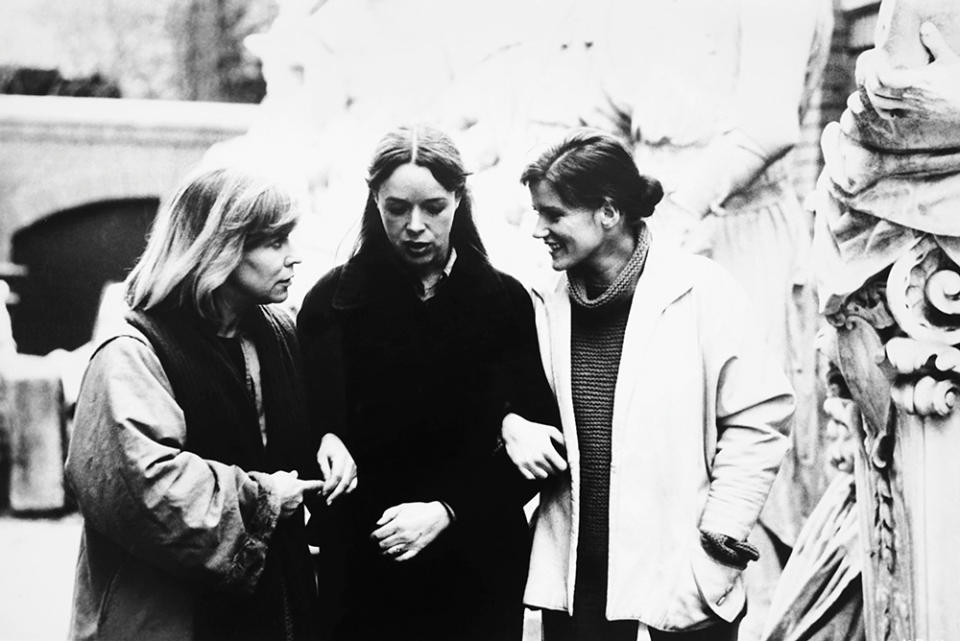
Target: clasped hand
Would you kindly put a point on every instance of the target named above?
(534, 448)
(932, 90)
(406, 529)
(339, 477)
(337, 467)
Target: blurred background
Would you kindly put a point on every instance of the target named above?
(105, 105)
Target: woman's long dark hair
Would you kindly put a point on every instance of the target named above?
(428, 147)
(590, 168)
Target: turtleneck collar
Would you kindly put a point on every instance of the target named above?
(623, 284)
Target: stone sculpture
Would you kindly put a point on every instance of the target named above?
(888, 245)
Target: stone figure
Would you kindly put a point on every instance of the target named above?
(887, 257)
(819, 596)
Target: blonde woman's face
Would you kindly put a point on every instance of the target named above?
(265, 273)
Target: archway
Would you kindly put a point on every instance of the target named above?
(70, 255)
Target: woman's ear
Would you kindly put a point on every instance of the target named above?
(608, 215)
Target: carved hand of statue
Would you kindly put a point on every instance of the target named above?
(931, 92)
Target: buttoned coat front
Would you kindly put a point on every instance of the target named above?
(699, 417)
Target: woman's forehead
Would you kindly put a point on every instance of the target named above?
(412, 182)
(545, 195)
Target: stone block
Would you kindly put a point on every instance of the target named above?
(32, 417)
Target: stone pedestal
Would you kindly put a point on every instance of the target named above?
(31, 416)
(889, 242)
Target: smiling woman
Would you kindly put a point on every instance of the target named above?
(651, 482)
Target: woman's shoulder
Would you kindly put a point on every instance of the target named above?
(319, 300)
(496, 284)
(510, 283)
(127, 352)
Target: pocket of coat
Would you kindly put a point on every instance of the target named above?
(720, 585)
(686, 607)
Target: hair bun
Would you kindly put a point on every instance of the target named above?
(650, 193)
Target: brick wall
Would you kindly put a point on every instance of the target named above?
(854, 21)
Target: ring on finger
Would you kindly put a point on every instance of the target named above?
(396, 550)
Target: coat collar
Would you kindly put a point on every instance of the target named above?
(379, 276)
(666, 276)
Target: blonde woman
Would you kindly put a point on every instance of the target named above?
(191, 452)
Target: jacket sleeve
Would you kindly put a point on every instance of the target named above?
(135, 484)
(321, 346)
(753, 405)
(518, 384)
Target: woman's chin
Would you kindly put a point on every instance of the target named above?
(560, 263)
(418, 262)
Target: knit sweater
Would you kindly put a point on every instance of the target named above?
(597, 330)
(596, 342)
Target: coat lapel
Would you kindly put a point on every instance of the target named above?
(556, 309)
(664, 280)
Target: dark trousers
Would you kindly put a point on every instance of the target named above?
(558, 626)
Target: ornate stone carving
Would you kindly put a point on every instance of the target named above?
(923, 290)
(862, 362)
(888, 214)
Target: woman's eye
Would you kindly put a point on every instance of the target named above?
(397, 210)
(435, 210)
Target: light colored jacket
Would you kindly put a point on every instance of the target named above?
(698, 421)
(161, 524)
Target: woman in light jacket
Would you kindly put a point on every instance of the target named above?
(190, 433)
(671, 415)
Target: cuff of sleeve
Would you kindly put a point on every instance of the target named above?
(450, 512)
(250, 557)
(728, 550)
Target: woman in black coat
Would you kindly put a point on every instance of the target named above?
(414, 351)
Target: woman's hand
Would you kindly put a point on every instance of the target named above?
(408, 528)
(291, 490)
(533, 447)
(337, 466)
(931, 91)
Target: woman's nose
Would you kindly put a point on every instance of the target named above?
(415, 224)
(540, 228)
(293, 255)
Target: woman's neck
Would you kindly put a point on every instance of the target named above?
(429, 276)
(601, 270)
(231, 310)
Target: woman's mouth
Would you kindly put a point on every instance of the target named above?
(417, 248)
(553, 247)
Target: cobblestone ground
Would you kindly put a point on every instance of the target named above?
(37, 559)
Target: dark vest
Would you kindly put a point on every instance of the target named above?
(222, 425)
